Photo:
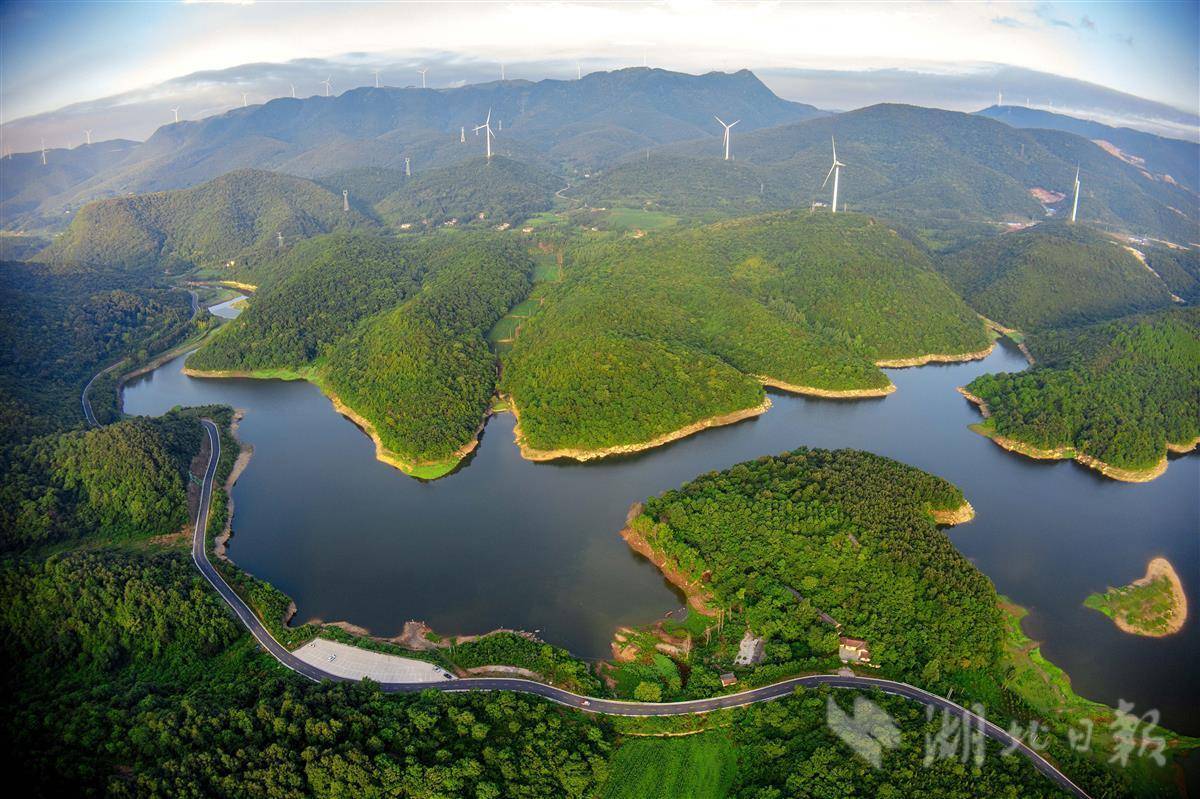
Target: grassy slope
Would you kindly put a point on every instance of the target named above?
(695, 766)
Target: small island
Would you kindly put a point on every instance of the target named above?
(1154, 605)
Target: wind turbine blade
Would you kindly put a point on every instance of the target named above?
(829, 174)
(719, 119)
(489, 116)
(834, 143)
(734, 122)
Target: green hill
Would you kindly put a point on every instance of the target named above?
(236, 218)
(1119, 392)
(645, 337)
(496, 191)
(1053, 275)
(123, 481)
(393, 327)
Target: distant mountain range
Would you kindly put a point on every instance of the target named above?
(576, 124)
(908, 163)
(1166, 158)
(635, 137)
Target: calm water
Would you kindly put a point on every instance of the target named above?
(505, 542)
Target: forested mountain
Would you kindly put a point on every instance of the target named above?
(909, 163)
(586, 122)
(61, 325)
(239, 216)
(1164, 158)
(492, 192)
(1053, 275)
(645, 337)
(393, 327)
(1119, 392)
(26, 183)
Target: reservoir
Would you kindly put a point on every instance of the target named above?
(504, 542)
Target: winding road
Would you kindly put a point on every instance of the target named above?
(612, 707)
(83, 397)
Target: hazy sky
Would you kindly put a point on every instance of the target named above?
(56, 53)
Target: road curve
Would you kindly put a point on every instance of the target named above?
(90, 417)
(588, 704)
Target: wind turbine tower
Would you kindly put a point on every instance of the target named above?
(293, 90)
(462, 135)
(423, 71)
(243, 99)
(345, 200)
(176, 111)
(578, 71)
(502, 72)
(486, 127)
(725, 141)
(280, 235)
(43, 152)
(407, 169)
(376, 79)
(999, 98)
(835, 171)
(88, 135)
(328, 85)
(1075, 204)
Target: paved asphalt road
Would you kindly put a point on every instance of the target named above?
(591, 705)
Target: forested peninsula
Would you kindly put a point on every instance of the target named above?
(397, 340)
(1116, 397)
(645, 340)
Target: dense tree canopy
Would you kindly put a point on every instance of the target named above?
(646, 336)
(1119, 391)
(126, 480)
(1053, 275)
(61, 325)
(847, 533)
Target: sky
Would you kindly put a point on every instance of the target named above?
(53, 54)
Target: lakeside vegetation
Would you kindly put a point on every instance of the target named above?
(781, 539)
(645, 337)
(60, 325)
(1154, 605)
(393, 328)
(1120, 392)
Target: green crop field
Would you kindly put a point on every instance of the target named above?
(638, 219)
(690, 767)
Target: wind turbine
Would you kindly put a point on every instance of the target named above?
(1075, 204)
(376, 79)
(487, 128)
(502, 72)
(345, 199)
(407, 171)
(293, 90)
(578, 71)
(999, 98)
(43, 152)
(88, 134)
(725, 141)
(176, 110)
(423, 71)
(328, 85)
(462, 135)
(835, 171)
(243, 99)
